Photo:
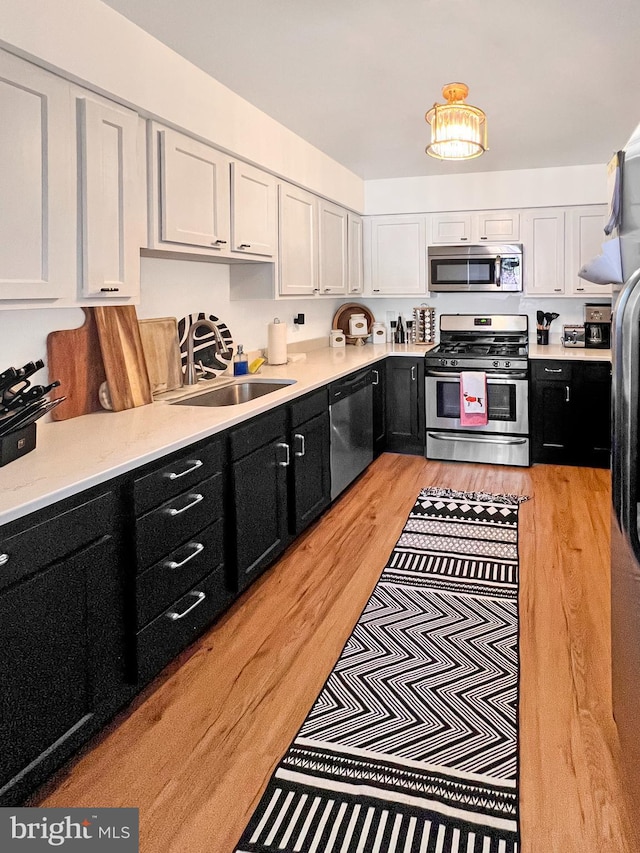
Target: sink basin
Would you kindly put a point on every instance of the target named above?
(242, 391)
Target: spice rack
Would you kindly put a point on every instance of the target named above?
(424, 325)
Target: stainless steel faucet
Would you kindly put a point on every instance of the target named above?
(191, 377)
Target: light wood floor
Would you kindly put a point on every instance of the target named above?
(195, 750)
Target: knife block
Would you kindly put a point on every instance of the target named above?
(17, 444)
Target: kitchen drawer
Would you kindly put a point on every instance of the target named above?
(174, 629)
(257, 432)
(182, 472)
(550, 370)
(179, 571)
(308, 407)
(160, 531)
(24, 553)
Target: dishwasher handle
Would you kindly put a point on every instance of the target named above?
(344, 388)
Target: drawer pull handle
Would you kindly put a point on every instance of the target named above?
(567, 398)
(4, 559)
(287, 460)
(377, 379)
(413, 373)
(175, 475)
(198, 548)
(299, 437)
(174, 615)
(553, 370)
(196, 500)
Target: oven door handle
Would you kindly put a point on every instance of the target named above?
(442, 436)
(456, 375)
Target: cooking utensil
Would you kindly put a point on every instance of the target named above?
(547, 319)
(29, 394)
(123, 356)
(12, 420)
(540, 317)
(8, 378)
(39, 412)
(74, 358)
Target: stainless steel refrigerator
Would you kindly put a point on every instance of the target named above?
(625, 539)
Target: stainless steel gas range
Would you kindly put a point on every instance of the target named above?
(498, 346)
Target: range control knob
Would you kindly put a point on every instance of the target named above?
(496, 364)
(443, 362)
(454, 362)
(507, 364)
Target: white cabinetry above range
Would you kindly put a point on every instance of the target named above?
(497, 226)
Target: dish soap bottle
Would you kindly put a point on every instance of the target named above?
(240, 362)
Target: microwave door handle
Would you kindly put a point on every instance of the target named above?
(498, 270)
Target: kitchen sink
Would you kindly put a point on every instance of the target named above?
(240, 391)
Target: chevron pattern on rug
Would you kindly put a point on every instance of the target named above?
(411, 746)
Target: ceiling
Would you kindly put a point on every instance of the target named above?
(559, 80)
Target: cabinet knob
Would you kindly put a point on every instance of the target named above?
(244, 246)
(218, 242)
(109, 289)
(557, 290)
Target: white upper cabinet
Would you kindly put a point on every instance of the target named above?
(298, 227)
(189, 195)
(544, 252)
(254, 211)
(112, 211)
(332, 249)
(355, 266)
(37, 184)
(496, 226)
(396, 255)
(585, 236)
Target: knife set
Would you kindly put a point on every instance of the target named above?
(21, 405)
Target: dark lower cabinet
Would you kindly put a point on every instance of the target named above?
(63, 639)
(404, 410)
(571, 412)
(259, 458)
(310, 487)
(379, 405)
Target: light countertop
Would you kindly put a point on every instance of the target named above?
(76, 454)
(569, 353)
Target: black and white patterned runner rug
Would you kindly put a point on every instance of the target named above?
(411, 746)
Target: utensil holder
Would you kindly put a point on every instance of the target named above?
(542, 337)
(17, 444)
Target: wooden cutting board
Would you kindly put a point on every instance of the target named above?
(75, 359)
(123, 356)
(162, 353)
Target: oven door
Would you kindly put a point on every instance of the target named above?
(507, 398)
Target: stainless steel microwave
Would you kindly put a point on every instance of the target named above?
(483, 268)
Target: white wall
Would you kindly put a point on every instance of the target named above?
(552, 187)
(173, 288)
(94, 45)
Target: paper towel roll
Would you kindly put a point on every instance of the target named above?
(277, 343)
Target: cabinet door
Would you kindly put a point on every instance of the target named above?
(585, 236)
(544, 252)
(450, 227)
(259, 489)
(379, 418)
(592, 414)
(311, 470)
(254, 211)
(37, 184)
(552, 401)
(398, 255)
(356, 271)
(298, 241)
(499, 226)
(194, 193)
(111, 213)
(332, 249)
(405, 420)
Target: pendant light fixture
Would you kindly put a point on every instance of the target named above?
(458, 130)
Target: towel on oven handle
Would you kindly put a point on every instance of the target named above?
(473, 398)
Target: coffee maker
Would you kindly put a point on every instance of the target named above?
(597, 326)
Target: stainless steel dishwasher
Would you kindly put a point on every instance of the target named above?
(351, 414)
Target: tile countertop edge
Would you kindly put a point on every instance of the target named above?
(78, 454)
